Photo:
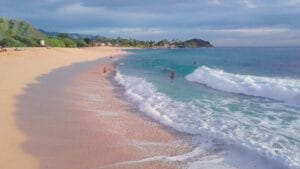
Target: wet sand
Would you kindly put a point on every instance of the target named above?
(19, 69)
(76, 116)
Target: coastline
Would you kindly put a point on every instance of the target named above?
(18, 69)
(62, 111)
(74, 116)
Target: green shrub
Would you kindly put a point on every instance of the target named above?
(27, 41)
(81, 43)
(54, 42)
(69, 42)
(87, 41)
(61, 42)
(63, 35)
(9, 33)
(11, 42)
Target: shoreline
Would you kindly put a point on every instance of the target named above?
(62, 111)
(76, 117)
(109, 132)
(18, 69)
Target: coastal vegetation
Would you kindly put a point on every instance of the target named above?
(15, 33)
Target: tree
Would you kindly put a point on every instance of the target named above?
(69, 43)
(63, 35)
(11, 42)
(81, 43)
(27, 41)
(9, 33)
(54, 42)
(2, 20)
(87, 41)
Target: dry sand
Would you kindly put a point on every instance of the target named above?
(53, 116)
(18, 69)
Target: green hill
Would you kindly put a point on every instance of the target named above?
(196, 43)
(15, 33)
(19, 28)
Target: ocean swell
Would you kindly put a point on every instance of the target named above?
(286, 90)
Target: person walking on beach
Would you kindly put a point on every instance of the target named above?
(172, 76)
(104, 69)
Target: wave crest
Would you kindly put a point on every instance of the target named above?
(286, 90)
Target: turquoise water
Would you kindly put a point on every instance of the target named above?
(247, 97)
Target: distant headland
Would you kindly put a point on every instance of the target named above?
(17, 33)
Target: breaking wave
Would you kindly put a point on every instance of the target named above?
(189, 118)
(281, 89)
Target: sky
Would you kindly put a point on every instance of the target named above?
(222, 22)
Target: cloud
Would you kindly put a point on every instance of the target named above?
(214, 2)
(251, 31)
(214, 20)
(130, 31)
(294, 3)
(248, 3)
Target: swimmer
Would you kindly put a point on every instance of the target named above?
(172, 76)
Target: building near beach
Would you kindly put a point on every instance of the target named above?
(42, 42)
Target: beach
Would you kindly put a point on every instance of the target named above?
(93, 108)
(60, 109)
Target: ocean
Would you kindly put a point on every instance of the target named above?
(241, 104)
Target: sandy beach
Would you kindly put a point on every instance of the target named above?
(59, 109)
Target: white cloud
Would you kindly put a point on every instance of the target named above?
(248, 3)
(137, 31)
(98, 12)
(251, 31)
(115, 31)
(230, 20)
(78, 9)
(293, 3)
(214, 2)
(253, 36)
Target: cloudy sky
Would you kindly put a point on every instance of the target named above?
(223, 22)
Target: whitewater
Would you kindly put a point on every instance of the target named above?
(282, 89)
(234, 104)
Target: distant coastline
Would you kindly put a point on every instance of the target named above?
(17, 33)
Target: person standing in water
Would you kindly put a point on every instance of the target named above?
(172, 76)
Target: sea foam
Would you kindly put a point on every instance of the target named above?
(190, 118)
(281, 89)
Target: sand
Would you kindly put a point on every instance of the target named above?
(18, 69)
(58, 114)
